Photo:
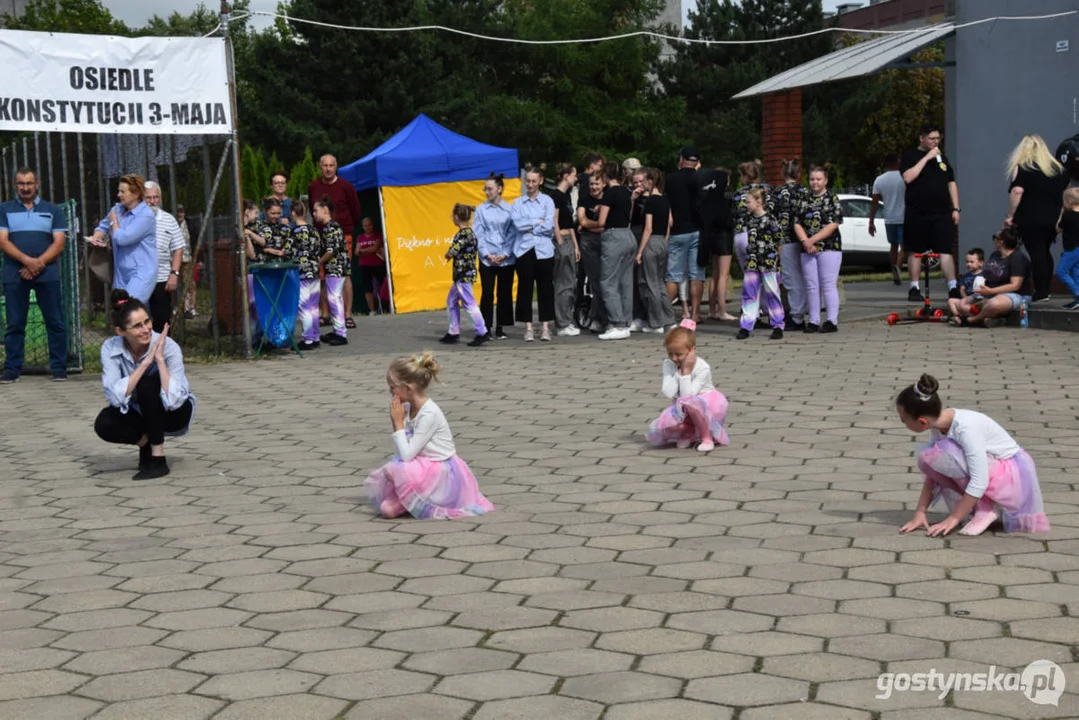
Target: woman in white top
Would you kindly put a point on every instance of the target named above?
(974, 463)
(699, 411)
(145, 384)
(426, 479)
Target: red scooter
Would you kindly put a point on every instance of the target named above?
(926, 313)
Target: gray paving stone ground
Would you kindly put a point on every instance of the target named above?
(762, 581)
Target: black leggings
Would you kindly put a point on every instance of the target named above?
(151, 419)
(1039, 244)
(503, 277)
(161, 307)
(532, 271)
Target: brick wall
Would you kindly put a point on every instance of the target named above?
(782, 131)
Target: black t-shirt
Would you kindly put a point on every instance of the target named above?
(1069, 224)
(659, 208)
(928, 194)
(715, 206)
(1039, 207)
(1000, 270)
(563, 205)
(636, 219)
(620, 201)
(589, 203)
(683, 194)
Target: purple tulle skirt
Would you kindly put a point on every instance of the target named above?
(426, 489)
(681, 420)
(1013, 485)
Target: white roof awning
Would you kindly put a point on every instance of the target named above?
(864, 58)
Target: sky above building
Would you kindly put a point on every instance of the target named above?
(137, 12)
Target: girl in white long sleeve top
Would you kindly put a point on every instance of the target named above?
(974, 464)
(426, 478)
(699, 411)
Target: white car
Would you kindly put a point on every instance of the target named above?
(859, 247)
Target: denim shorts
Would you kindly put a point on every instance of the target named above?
(1017, 299)
(682, 253)
(894, 232)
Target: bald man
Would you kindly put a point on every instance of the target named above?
(346, 211)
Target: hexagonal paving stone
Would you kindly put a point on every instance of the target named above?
(620, 687)
(460, 660)
(831, 625)
(15, 686)
(747, 689)
(285, 706)
(891, 608)
(505, 619)
(166, 707)
(841, 589)
(681, 709)
(495, 685)
(947, 628)
(720, 622)
(651, 641)
(278, 601)
(219, 662)
(1009, 652)
(806, 711)
(375, 684)
(258, 683)
(611, 619)
(764, 644)
(141, 684)
(887, 648)
(948, 591)
(121, 660)
(425, 639)
(215, 639)
(346, 660)
(784, 605)
(1007, 609)
(538, 640)
(820, 667)
(696, 664)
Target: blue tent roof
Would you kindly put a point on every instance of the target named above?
(424, 152)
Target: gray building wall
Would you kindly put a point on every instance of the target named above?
(1009, 80)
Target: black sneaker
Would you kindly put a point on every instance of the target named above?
(915, 295)
(828, 327)
(897, 277)
(334, 339)
(480, 340)
(449, 339)
(156, 468)
(1073, 305)
(777, 334)
(8, 378)
(1041, 299)
(499, 335)
(954, 293)
(309, 345)
(811, 328)
(59, 377)
(792, 326)
(742, 334)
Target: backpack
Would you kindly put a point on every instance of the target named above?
(1068, 155)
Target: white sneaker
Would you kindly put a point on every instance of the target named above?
(529, 336)
(654, 331)
(615, 333)
(569, 331)
(636, 326)
(545, 335)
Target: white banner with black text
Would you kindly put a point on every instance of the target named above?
(59, 82)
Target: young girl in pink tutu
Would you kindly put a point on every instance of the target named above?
(426, 479)
(699, 410)
(973, 463)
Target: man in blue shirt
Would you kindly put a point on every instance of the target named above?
(32, 234)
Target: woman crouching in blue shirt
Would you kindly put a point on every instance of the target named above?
(143, 375)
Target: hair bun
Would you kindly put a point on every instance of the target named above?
(927, 385)
(118, 298)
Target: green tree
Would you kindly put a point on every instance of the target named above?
(200, 21)
(302, 174)
(69, 16)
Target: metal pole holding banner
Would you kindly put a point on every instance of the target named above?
(172, 175)
(25, 153)
(208, 219)
(238, 210)
(82, 218)
(50, 186)
(386, 248)
(37, 154)
(63, 166)
(3, 178)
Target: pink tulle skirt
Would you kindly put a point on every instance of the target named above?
(684, 419)
(1013, 485)
(426, 489)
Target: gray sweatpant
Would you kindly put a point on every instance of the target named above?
(651, 274)
(591, 258)
(618, 248)
(565, 282)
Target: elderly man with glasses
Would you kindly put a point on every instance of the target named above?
(170, 253)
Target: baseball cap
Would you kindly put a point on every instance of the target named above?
(631, 164)
(691, 153)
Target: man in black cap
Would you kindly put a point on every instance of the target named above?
(682, 248)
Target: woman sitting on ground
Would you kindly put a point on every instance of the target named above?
(1008, 283)
(143, 375)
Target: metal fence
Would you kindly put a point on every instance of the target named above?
(82, 169)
